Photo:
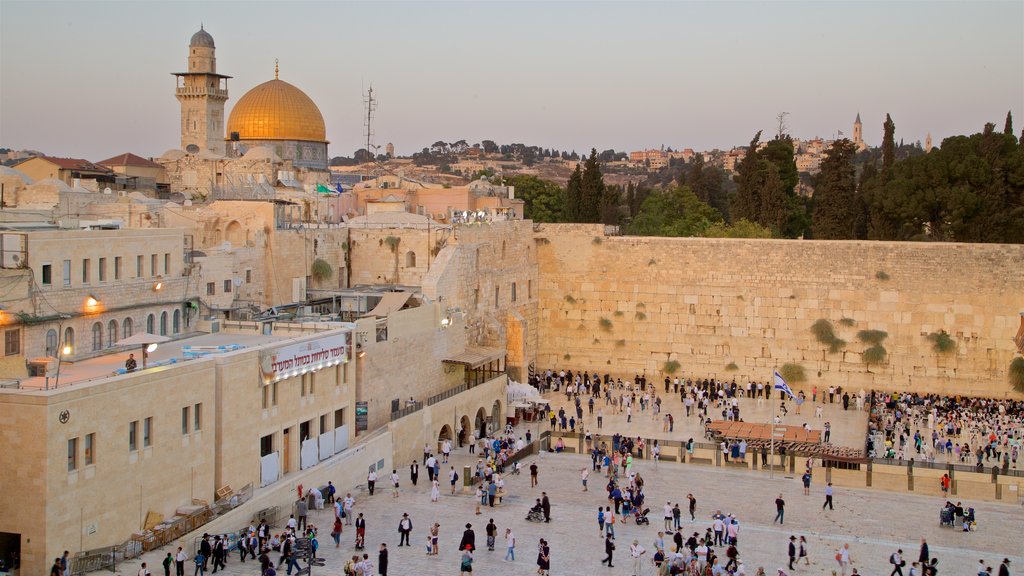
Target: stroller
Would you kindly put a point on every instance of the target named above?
(640, 516)
(535, 515)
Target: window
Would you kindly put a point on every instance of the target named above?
(197, 415)
(152, 265)
(248, 276)
(167, 263)
(138, 266)
(266, 397)
(184, 421)
(126, 328)
(304, 430)
(111, 333)
(67, 272)
(227, 286)
(47, 275)
(312, 383)
(339, 417)
(151, 324)
(12, 342)
(273, 394)
(303, 389)
(51, 343)
(266, 445)
(211, 289)
(86, 264)
(529, 289)
(72, 454)
(69, 338)
(323, 424)
(103, 270)
(147, 432)
(97, 336)
(133, 431)
(90, 449)
(163, 323)
(497, 295)
(410, 259)
(117, 267)
(176, 322)
(513, 292)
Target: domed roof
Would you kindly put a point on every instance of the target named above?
(261, 153)
(202, 38)
(276, 110)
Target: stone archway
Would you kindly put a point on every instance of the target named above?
(444, 434)
(497, 416)
(465, 429)
(480, 424)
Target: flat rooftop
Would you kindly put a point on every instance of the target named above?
(170, 353)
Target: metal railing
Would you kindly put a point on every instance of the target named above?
(408, 409)
(447, 394)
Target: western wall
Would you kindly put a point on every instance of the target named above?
(737, 309)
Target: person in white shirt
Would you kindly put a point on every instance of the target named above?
(636, 552)
(349, 504)
(144, 571)
(394, 484)
(371, 479)
(668, 516)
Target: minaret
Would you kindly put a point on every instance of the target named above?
(928, 143)
(858, 136)
(202, 93)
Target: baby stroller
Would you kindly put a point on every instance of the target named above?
(946, 517)
(535, 515)
(640, 517)
(969, 522)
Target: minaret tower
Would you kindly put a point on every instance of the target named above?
(858, 134)
(202, 93)
(928, 143)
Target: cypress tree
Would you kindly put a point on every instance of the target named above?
(574, 196)
(746, 202)
(888, 144)
(1008, 127)
(592, 189)
(834, 216)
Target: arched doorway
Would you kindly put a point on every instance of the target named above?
(480, 424)
(465, 429)
(235, 234)
(497, 416)
(444, 434)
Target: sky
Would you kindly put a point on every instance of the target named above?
(93, 79)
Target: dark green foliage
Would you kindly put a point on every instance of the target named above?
(605, 324)
(872, 336)
(592, 190)
(835, 204)
(746, 202)
(542, 200)
(882, 275)
(888, 144)
(942, 342)
(1008, 126)
(673, 212)
(792, 373)
(321, 269)
(706, 183)
(731, 367)
(572, 209)
(670, 367)
(825, 334)
(847, 322)
(765, 183)
(1016, 374)
(611, 204)
(874, 355)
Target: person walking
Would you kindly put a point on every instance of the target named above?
(382, 560)
(924, 556)
(803, 552)
(336, 532)
(1004, 568)
(609, 549)
(543, 558)
(179, 562)
(668, 516)
(360, 532)
(510, 546)
(491, 530)
(394, 483)
(897, 562)
(468, 538)
(453, 477)
(844, 559)
(828, 497)
(792, 551)
(435, 490)
(533, 474)
(414, 472)
(636, 552)
(693, 507)
(404, 529)
(780, 510)
(168, 561)
(466, 563)
(546, 506)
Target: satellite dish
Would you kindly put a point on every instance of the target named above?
(237, 282)
(192, 149)
(107, 190)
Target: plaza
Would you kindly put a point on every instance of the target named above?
(874, 522)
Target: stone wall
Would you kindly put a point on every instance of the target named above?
(627, 305)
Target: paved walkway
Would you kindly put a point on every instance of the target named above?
(875, 523)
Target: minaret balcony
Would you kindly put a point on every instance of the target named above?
(201, 91)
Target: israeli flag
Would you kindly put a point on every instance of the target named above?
(780, 384)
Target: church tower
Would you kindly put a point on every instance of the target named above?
(858, 135)
(928, 143)
(202, 93)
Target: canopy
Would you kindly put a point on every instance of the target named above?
(391, 302)
(474, 356)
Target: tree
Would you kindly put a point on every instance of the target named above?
(675, 211)
(611, 202)
(543, 201)
(834, 216)
(746, 202)
(741, 228)
(1008, 127)
(574, 196)
(362, 156)
(592, 189)
(888, 144)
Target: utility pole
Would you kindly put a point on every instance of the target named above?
(371, 107)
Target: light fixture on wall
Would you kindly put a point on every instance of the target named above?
(91, 301)
(158, 286)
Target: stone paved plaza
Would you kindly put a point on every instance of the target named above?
(874, 522)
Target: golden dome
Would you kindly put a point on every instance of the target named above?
(276, 110)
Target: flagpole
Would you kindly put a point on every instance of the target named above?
(771, 465)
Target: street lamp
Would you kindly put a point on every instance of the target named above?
(65, 350)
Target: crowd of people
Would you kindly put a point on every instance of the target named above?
(948, 429)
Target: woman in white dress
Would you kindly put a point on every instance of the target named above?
(435, 490)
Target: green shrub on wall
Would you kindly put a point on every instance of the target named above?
(1017, 374)
(670, 367)
(792, 373)
(321, 269)
(731, 367)
(942, 342)
(605, 324)
(825, 334)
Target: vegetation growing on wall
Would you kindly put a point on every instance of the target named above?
(670, 367)
(605, 324)
(847, 322)
(942, 342)
(875, 353)
(792, 373)
(321, 270)
(640, 315)
(731, 367)
(825, 334)
(882, 275)
(570, 299)
(1017, 374)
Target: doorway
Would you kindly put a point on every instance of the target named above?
(286, 451)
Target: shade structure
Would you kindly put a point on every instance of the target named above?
(142, 339)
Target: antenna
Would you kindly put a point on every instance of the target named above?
(371, 106)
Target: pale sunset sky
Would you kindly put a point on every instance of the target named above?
(93, 79)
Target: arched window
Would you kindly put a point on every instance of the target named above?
(51, 343)
(97, 336)
(410, 259)
(111, 333)
(69, 338)
(176, 322)
(163, 323)
(150, 324)
(126, 328)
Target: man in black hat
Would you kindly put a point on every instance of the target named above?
(1004, 568)
(468, 539)
(792, 551)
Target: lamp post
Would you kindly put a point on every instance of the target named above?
(65, 349)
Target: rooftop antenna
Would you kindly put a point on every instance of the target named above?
(371, 106)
